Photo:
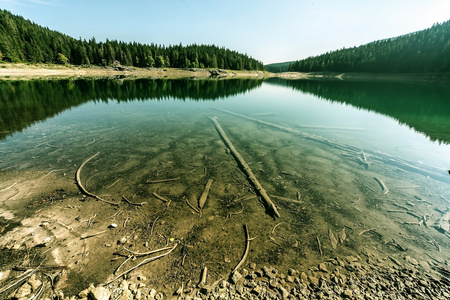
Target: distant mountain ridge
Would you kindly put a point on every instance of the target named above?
(418, 52)
(24, 41)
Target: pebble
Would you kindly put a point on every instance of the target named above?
(323, 267)
(100, 293)
(361, 282)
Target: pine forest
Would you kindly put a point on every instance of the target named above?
(425, 51)
(24, 41)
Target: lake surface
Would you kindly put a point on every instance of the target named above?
(354, 168)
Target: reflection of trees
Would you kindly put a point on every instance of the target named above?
(24, 102)
(422, 106)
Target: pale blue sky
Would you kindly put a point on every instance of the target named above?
(270, 31)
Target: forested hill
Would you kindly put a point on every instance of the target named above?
(24, 41)
(278, 67)
(422, 51)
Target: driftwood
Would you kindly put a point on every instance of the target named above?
(275, 227)
(163, 180)
(236, 213)
(162, 198)
(92, 235)
(145, 261)
(121, 265)
(367, 230)
(38, 294)
(247, 249)
(131, 203)
(24, 276)
(139, 254)
(203, 277)
(83, 189)
(383, 157)
(7, 188)
(17, 268)
(204, 196)
(384, 188)
(113, 184)
(319, 245)
(251, 177)
(191, 206)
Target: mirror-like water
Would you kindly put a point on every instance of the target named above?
(355, 169)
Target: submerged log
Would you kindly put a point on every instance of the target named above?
(251, 176)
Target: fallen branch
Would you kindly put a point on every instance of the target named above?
(163, 180)
(367, 230)
(25, 276)
(145, 261)
(236, 213)
(113, 184)
(7, 188)
(275, 227)
(191, 206)
(203, 278)
(138, 254)
(247, 249)
(383, 186)
(204, 196)
(81, 187)
(131, 203)
(124, 262)
(38, 294)
(16, 268)
(319, 245)
(162, 198)
(92, 235)
(251, 177)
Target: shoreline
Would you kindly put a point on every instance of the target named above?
(30, 71)
(23, 71)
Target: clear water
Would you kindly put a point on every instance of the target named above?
(157, 129)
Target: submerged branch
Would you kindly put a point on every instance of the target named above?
(83, 189)
(247, 249)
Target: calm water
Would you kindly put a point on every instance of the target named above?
(340, 136)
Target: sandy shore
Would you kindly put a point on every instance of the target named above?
(46, 71)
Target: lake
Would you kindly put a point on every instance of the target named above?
(355, 169)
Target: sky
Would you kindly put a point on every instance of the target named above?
(269, 31)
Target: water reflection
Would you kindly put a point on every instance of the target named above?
(23, 103)
(422, 106)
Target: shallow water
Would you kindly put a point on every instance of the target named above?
(317, 156)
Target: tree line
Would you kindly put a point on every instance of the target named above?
(422, 51)
(24, 41)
